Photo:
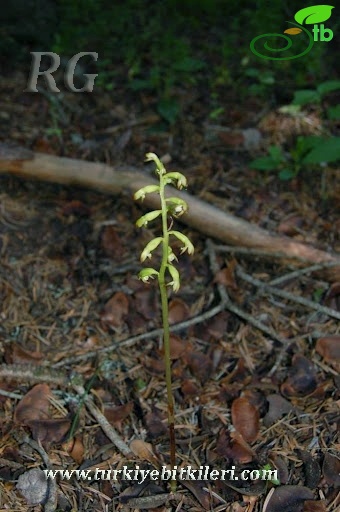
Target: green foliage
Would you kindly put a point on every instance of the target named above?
(306, 96)
(308, 152)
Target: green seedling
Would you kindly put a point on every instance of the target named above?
(167, 274)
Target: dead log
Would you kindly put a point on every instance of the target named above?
(202, 216)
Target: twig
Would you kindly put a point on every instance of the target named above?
(129, 342)
(32, 374)
(235, 309)
(302, 271)
(287, 295)
(105, 425)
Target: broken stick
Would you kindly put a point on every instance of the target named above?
(202, 216)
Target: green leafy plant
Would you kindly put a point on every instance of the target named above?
(304, 96)
(309, 152)
(167, 275)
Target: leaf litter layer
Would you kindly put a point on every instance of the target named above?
(256, 374)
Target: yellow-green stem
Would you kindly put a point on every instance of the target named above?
(166, 330)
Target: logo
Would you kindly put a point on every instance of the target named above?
(68, 75)
(309, 16)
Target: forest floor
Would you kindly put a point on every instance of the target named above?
(79, 333)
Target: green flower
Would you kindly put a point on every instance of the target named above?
(175, 283)
(143, 221)
(188, 246)
(141, 193)
(146, 273)
(151, 246)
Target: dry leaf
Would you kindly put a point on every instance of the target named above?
(116, 415)
(288, 498)
(200, 365)
(332, 298)
(329, 348)
(177, 347)
(233, 446)
(245, 418)
(146, 302)
(290, 226)
(314, 506)
(48, 431)
(178, 311)
(34, 405)
(190, 389)
(226, 276)
(143, 451)
(112, 243)
(196, 488)
(154, 424)
(303, 381)
(331, 469)
(115, 310)
(76, 449)
(278, 406)
(15, 354)
(76, 208)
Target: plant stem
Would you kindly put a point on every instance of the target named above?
(166, 329)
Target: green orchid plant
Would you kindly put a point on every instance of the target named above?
(167, 275)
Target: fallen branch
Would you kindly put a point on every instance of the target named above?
(202, 216)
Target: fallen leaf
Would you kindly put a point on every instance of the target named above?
(34, 405)
(331, 469)
(115, 310)
(178, 311)
(76, 449)
(303, 381)
(329, 348)
(245, 419)
(233, 446)
(278, 406)
(226, 276)
(154, 424)
(111, 242)
(15, 354)
(314, 506)
(143, 451)
(146, 302)
(76, 208)
(311, 469)
(190, 389)
(196, 488)
(117, 414)
(288, 498)
(49, 431)
(332, 297)
(290, 226)
(199, 364)
(177, 347)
